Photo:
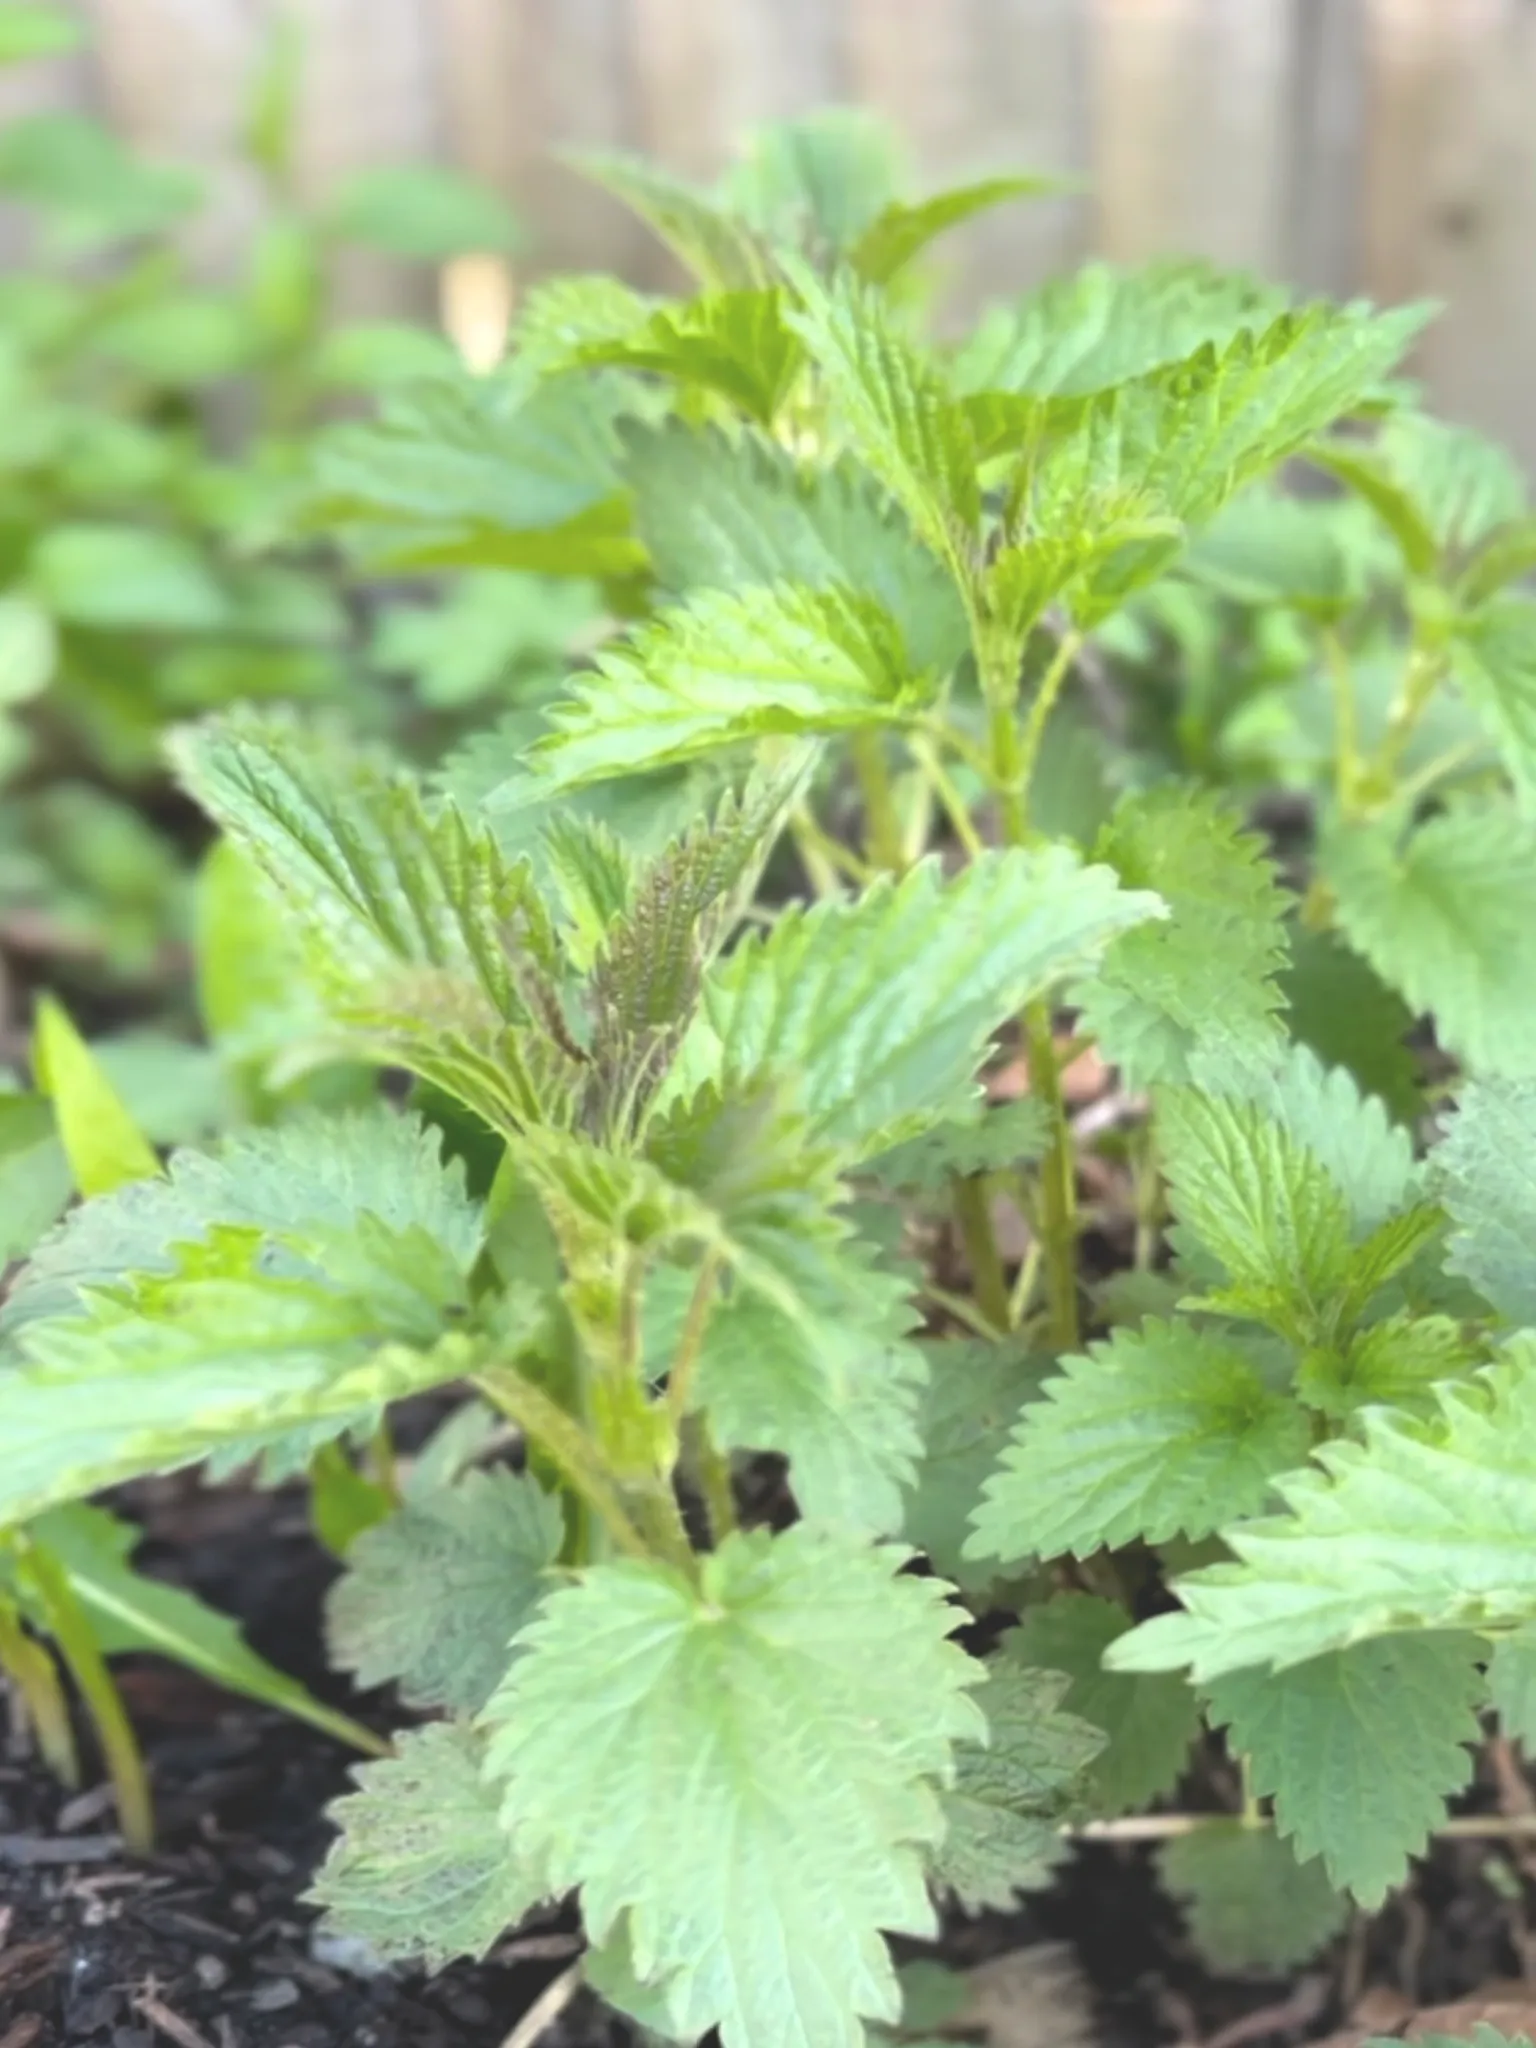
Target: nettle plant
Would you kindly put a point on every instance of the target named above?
(695, 1170)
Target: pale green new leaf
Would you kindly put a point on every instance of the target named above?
(1412, 1525)
(733, 343)
(877, 1012)
(1207, 973)
(104, 1146)
(423, 1872)
(1359, 1749)
(1512, 1687)
(1159, 1432)
(1399, 1361)
(716, 244)
(432, 1597)
(727, 669)
(975, 1391)
(1004, 1812)
(132, 1613)
(897, 412)
(729, 511)
(1441, 916)
(593, 872)
(904, 228)
(1148, 1722)
(744, 1773)
(816, 181)
(1483, 1171)
(1249, 1903)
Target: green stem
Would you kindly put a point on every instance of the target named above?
(711, 1469)
(1421, 678)
(884, 848)
(1058, 1182)
(690, 1343)
(35, 1675)
(70, 1629)
(567, 1446)
(973, 1215)
(1346, 722)
(951, 801)
(1057, 671)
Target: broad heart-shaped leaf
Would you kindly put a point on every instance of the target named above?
(1415, 1525)
(727, 669)
(217, 1358)
(103, 1144)
(1399, 1362)
(1360, 1749)
(903, 229)
(877, 1011)
(422, 1870)
(733, 343)
(724, 511)
(1208, 972)
(1512, 1687)
(1102, 326)
(1340, 1008)
(1440, 915)
(492, 472)
(432, 1597)
(1439, 489)
(974, 1392)
(744, 1771)
(1004, 1812)
(814, 182)
(718, 246)
(1249, 1903)
(1148, 1722)
(1261, 1204)
(431, 948)
(1162, 1431)
(130, 1612)
(893, 404)
(1484, 1173)
(1493, 658)
(314, 1175)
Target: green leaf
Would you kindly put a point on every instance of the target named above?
(1341, 1008)
(433, 1596)
(733, 343)
(28, 31)
(1360, 1749)
(429, 946)
(1321, 556)
(103, 1144)
(1440, 916)
(725, 670)
(904, 229)
(313, 1180)
(1493, 658)
(420, 211)
(130, 1613)
(127, 579)
(892, 403)
(1483, 1171)
(743, 1773)
(877, 1012)
(1512, 1687)
(720, 511)
(721, 250)
(1399, 1362)
(1250, 1905)
(815, 182)
(1415, 1525)
(998, 1139)
(1159, 1432)
(1260, 1203)
(1087, 572)
(28, 649)
(1440, 489)
(1148, 1723)
(1004, 1812)
(973, 1396)
(35, 1181)
(422, 1871)
(1208, 973)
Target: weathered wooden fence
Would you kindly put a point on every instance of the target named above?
(1383, 146)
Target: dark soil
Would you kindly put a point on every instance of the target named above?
(207, 1943)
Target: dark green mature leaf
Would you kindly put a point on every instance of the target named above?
(1208, 973)
(653, 1737)
(432, 949)
(433, 1596)
(718, 246)
(423, 1871)
(904, 228)
(1249, 1903)
(877, 1012)
(309, 1181)
(727, 669)
(1149, 1722)
(1484, 1173)
(1004, 1812)
(132, 1613)
(1340, 1007)
(721, 511)
(1415, 1525)
(991, 1140)
(1159, 1432)
(1441, 918)
(1360, 1749)
(973, 1397)
(892, 403)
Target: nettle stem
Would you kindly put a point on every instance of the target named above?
(1165, 1827)
(973, 1216)
(884, 845)
(568, 1447)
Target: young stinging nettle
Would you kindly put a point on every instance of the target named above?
(694, 1168)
